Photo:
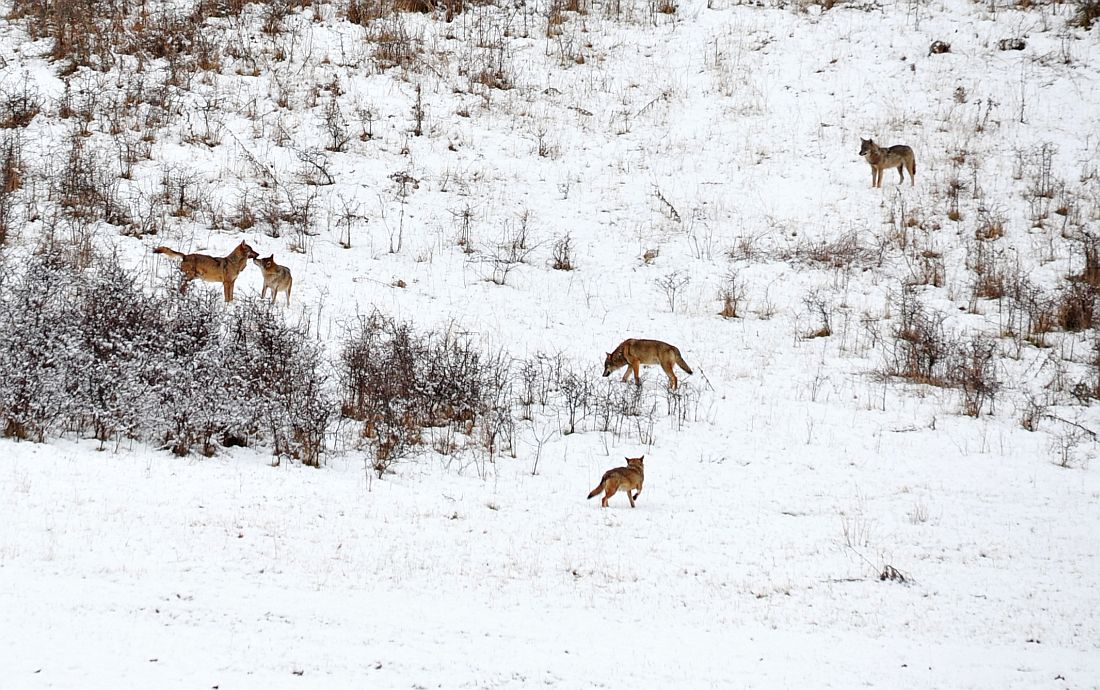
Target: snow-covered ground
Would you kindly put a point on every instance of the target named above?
(718, 138)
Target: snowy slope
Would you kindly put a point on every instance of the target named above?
(723, 137)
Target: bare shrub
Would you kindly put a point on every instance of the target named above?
(973, 371)
(955, 186)
(1035, 166)
(845, 251)
(218, 8)
(228, 378)
(512, 250)
(1094, 365)
(363, 12)
(418, 113)
(613, 404)
(989, 227)
(671, 284)
(991, 270)
(732, 294)
(1090, 246)
(80, 29)
(11, 181)
(920, 347)
(1041, 314)
(924, 351)
(1032, 414)
(182, 191)
(399, 382)
(316, 167)
(174, 37)
(274, 13)
(576, 391)
(19, 104)
(818, 307)
(1076, 306)
(394, 44)
(536, 381)
(562, 254)
(1086, 14)
(926, 268)
(334, 125)
(86, 187)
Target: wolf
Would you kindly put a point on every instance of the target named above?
(628, 478)
(633, 351)
(213, 269)
(276, 278)
(899, 156)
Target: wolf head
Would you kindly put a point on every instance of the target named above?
(243, 248)
(613, 361)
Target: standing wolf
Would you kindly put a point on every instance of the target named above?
(628, 478)
(898, 156)
(276, 278)
(634, 351)
(213, 269)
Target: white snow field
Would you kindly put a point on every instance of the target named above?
(807, 521)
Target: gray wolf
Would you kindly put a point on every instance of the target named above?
(627, 478)
(634, 351)
(276, 278)
(213, 269)
(898, 156)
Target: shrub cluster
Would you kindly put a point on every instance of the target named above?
(85, 351)
(399, 382)
(401, 385)
(89, 352)
(925, 351)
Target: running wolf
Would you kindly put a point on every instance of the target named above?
(628, 478)
(632, 352)
(899, 156)
(276, 278)
(213, 269)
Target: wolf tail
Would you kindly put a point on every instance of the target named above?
(170, 252)
(683, 364)
(596, 491)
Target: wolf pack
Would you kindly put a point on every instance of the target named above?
(630, 353)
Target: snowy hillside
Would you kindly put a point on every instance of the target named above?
(880, 474)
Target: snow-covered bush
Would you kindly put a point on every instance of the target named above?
(37, 344)
(87, 351)
(119, 335)
(283, 373)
